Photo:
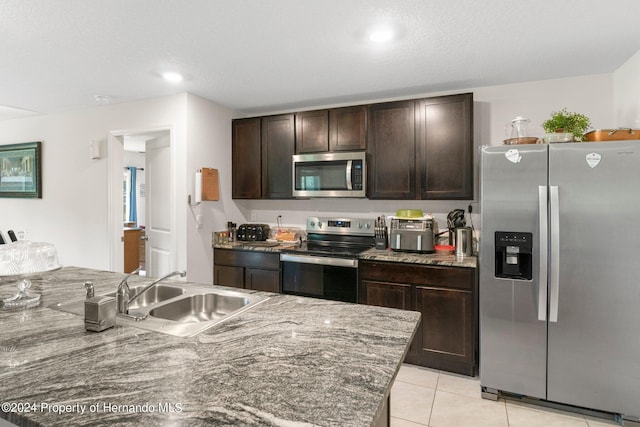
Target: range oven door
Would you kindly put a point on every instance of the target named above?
(321, 277)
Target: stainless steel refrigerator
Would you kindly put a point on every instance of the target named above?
(560, 274)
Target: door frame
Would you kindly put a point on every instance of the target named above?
(115, 165)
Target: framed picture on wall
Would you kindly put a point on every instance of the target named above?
(21, 170)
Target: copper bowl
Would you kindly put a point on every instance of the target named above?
(522, 140)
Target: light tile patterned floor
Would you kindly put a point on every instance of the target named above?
(427, 397)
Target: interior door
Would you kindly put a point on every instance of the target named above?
(593, 345)
(158, 207)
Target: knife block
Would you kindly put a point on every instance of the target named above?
(381, 242)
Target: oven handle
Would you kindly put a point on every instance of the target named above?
(334, 262)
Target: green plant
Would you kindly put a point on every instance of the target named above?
(564, 121)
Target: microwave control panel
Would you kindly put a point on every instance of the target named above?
(356, 175)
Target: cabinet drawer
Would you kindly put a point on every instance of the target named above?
(262, 280)
(449, 277)
(224, 275)
(394, 295)
(231, 257)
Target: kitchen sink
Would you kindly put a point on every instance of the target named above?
(200, 308)
(154, 295)
(178, 310)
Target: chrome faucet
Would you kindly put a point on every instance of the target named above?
(123, 290)
(122, 294)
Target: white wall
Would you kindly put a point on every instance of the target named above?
(626, 94)
(208, 145)
(72, 213)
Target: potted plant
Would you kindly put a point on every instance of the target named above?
(564, 121)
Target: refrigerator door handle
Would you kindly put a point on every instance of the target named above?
(543, 223)
(554, 288)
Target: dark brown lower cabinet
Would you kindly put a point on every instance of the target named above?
(446, 297)
(255, 270)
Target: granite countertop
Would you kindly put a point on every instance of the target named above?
(290, 361)
(447, 260)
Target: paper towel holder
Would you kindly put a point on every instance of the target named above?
(197, 189)
(205, 186)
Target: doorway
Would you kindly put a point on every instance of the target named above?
(140, 200)
(134, 203)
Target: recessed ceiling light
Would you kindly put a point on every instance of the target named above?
(103, 99)
(381, 35)
(172, 77)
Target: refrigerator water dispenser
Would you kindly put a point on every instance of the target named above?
(513, 255)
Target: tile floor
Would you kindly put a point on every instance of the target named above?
(427, 397)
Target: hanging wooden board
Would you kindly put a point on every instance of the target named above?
(210, 186)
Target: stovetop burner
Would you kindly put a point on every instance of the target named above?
(337, 237)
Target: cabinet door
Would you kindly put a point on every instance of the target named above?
(245, 159)
(224, 275)
(394, 295)
(391, 149)
(348, 128)
(312, 131)
(445, 147)
(262, 280)
(446, 333)
(278, 145)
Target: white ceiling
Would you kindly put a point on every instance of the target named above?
(258, 56)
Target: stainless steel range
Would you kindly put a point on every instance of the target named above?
(327, 266)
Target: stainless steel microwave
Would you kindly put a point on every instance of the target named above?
(330, 174)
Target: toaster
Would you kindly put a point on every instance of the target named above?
(253, 232)
(411, 235)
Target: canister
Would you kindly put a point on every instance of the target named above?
(464, 241)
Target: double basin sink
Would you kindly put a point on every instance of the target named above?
(178, 310)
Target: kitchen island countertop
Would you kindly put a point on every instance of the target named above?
(288, 361)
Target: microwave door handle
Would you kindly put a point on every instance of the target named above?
(349, 183)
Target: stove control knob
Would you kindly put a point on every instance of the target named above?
(359, 225)
(312, 224)
(319, 224)
(368, 226)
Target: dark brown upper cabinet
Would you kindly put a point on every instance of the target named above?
(421, 149)
(445, 147)
(261, 157)
(348, 128)
(391, 149)
(278, 145)
(245, 159)
(418, 149)
(312, 131)
(337, 129)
